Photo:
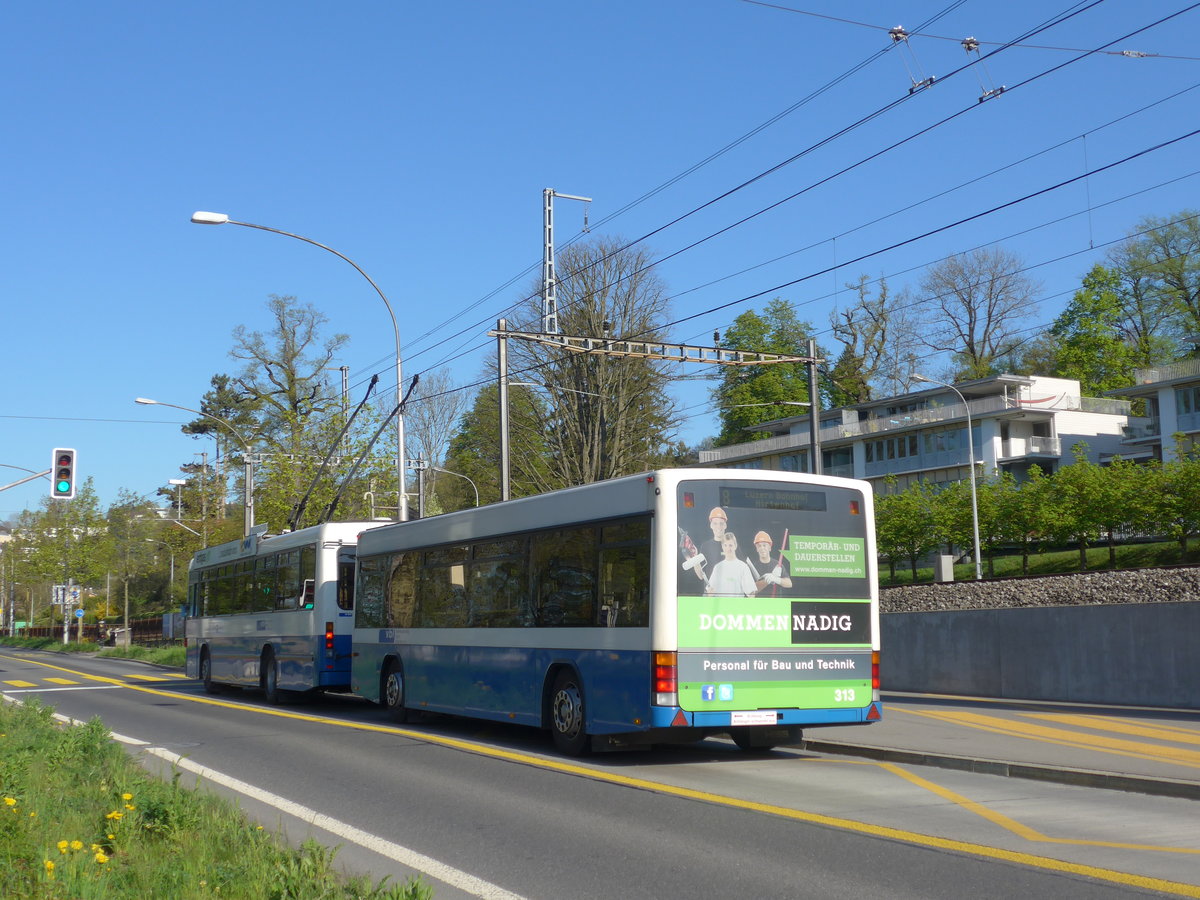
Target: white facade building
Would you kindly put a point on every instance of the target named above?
(1017, 421)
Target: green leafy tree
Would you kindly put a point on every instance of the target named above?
(1023, 511)
(1169, 253)
(474, 451)
(1090, 347)
(1174, 491)
(906, 524)
(748, 395)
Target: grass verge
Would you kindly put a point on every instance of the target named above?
(1057, 562)
(80, 819)
(159, 656)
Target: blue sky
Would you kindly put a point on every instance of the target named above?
(417, 139)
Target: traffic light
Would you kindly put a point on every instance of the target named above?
(62, 474)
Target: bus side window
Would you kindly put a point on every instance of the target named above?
(345, 584)
(369, 609)
(402, 590)
(625, 575)
(308, 594)
(563, 570)
(287, 584)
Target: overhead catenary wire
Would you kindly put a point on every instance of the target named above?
(845, 130)
(945, 120)
(465, 352)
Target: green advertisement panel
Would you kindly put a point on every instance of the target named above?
(813, 556)
(752, 653)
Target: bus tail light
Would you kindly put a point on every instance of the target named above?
(666, 679)
(329, 637)
(874, 674)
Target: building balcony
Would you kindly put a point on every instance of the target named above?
(1146, 430)
(1186, 368)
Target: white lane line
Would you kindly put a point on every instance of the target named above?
(427, 865)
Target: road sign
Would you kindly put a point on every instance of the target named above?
(79, 613)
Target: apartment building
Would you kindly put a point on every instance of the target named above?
(1015, 422)
(1171, 405)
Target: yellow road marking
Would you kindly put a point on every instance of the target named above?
(147, 677)
(61, 681)
(1007, 823)
(21, 683)
(1099, 743)
(911, 837)
(1123, 726)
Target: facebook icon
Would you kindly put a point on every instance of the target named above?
(707, 692)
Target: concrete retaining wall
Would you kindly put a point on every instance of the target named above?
(1139, 654)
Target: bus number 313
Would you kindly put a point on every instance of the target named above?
(843, 695)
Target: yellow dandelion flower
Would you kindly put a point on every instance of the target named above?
(33, 815)
(9, 801)
(130, 806)
(62, 846)
(112, 837)
(127, 796)
(76, 845)
(114, 815)
(49, 867)
(101, 857)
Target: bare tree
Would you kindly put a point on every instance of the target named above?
(604, 416)
(972, 306)
(432, 414)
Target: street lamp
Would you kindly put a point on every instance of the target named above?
(178, 484)
(971, 462)
(247, 457)
(460, 475)
(211, 218)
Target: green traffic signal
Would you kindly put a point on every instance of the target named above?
(62, 486)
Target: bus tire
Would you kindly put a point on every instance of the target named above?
(269, 678)
(210, 686)
(391, 692)
(568, 722)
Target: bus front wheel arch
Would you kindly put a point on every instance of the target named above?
(568, 713)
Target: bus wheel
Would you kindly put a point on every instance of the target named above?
(391, 694)
(269, 670)
(210, 686)
(567, 714)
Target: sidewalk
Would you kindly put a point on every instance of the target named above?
(1150, 751)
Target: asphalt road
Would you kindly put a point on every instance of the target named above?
(490, 811)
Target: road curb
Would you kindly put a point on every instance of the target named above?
(1161, 787)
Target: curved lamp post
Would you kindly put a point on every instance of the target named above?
(247, 457)
(211, 218)
(460, 475)
(971, 462)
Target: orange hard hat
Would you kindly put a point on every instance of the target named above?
(718, 513)
(763, 536)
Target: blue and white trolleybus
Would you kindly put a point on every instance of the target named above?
(274, 611)
(654, 608)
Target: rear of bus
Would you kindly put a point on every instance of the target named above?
(768, 620)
